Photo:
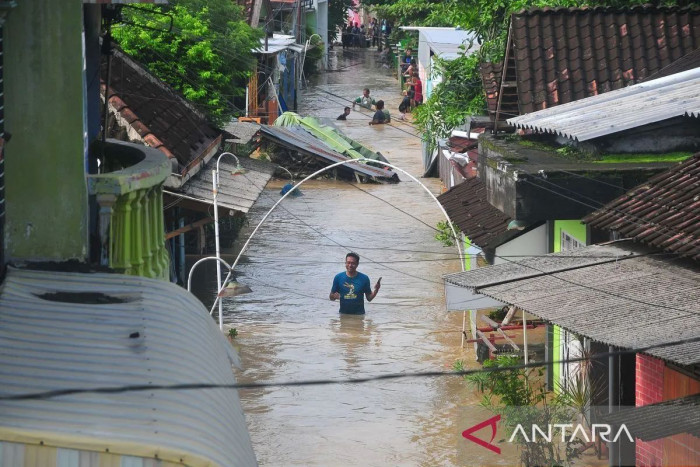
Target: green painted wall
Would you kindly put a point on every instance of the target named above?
(46, 192)
(574, 228)
(577, 230)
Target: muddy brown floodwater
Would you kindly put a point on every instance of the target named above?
(290, 331)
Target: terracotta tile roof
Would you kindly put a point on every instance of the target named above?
(468, 208)
(162, 118)
(685, 63)
(461, 144)
(664, 212)
(491, 80)
(561, 55)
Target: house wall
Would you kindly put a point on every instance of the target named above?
(577, 230)
(45, 184)
(656, 382)
(573, 228)
(322, 28)
(649, 390)
(533, 242)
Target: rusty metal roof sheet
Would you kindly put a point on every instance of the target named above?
(297, 138)
(485, 225)
(618, 294)
(236, 192)
(70, 330)
(641, 104)
(160, 116)
(561, 55)
(664, 212)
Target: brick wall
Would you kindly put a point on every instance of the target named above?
(649, 389)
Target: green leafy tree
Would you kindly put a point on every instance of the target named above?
(206, 56)
(337, 15)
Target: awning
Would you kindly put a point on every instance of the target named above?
(298, 139)
(618, 294)
(236, 192)
(71, 330)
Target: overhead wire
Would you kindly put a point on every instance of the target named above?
(52, 394)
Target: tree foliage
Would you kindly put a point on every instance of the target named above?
(206, 56)
(337, 15)
(460, 93)
(520, 398)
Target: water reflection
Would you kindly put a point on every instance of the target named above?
(290, 331)
(354, 334)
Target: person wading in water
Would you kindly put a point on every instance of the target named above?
(350, 286)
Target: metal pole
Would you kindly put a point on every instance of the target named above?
(525, 336)
(320, 171)
(214, 181)
(612, 397)
(194, 266)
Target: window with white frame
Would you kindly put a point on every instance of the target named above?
(568, 242)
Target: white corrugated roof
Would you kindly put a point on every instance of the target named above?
(618, 110)
(159, 335)
(615, 294)
(446, 42)
(277, 43)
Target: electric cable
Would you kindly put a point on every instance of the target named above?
(51, 394)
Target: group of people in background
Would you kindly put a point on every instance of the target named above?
(357, 35)
(365, 101)
(412, 94)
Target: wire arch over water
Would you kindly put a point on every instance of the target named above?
(315, 174)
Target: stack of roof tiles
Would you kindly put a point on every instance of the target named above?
(555, 56)
(664, 212)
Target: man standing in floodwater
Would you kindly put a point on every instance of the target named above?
(349, 286)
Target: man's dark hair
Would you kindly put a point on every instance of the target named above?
(366, 89)
(379, 105)
(347, 108)
(353, 255)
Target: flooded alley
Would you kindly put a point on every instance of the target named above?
(290, 331)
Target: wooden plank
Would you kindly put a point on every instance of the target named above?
(189, 227)
(486, 341)
(497, 327)
(489, 321)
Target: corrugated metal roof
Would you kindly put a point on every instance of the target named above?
(659, 420)
(158, 335)
(277, 43)
(236, 192)
(299, 139)
(664, 212)
(467, 206)
(622, 109)
(608, 293)
(446, 42)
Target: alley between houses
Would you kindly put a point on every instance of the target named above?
(290, 331)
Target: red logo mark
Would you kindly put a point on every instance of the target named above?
(491, 421)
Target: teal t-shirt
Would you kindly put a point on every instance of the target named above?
(352, 292)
